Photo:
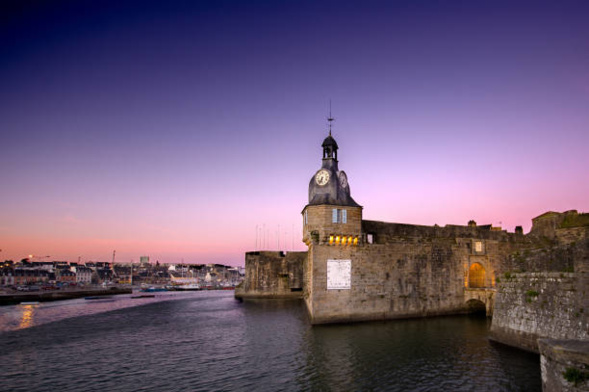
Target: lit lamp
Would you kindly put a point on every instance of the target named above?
(355, 240)
(343, 240)
(350, 240)
(337, 240)
(331, 240)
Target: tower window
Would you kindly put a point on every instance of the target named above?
(339, 216)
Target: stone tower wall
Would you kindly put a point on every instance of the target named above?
(319, 220)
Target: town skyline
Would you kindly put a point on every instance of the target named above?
(191, 130)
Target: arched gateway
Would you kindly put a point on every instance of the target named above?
(476, 276)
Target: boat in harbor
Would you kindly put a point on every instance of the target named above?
(186, 287)
(153, 289)
(181, 283)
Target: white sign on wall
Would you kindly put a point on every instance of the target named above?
(339, 274)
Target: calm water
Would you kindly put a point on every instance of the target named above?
(207, 341)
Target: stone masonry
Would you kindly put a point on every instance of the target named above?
(565, 365)
(272, 275)
(536, 305)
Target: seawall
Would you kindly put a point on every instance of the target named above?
(12, 299)
(534, 305)
(565, 365)
(272, 275)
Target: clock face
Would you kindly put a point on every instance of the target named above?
(322, 177)
(343, 179)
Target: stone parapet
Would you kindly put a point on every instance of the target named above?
(564, 364)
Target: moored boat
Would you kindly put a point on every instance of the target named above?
(153, 289)
(188, 287)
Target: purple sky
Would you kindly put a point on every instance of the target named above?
(174, 130)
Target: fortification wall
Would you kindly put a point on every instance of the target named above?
(408, 271)
(418, 271)
(572, 235)
(557, 225)
(550, 258)
(564, 249)
(394, 280)
(272, 275)
(564, 365)
(536, 305)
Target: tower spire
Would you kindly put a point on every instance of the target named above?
(330, 119)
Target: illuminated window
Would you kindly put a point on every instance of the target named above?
(478, 246)
(370, 238)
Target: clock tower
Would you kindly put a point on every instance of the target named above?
(331, 213)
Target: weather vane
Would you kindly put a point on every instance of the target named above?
(330, 119)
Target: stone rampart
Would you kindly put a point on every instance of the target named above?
(402, 271)
(387, 281)
(272, 275)
(385, 231)
(536, 305)
(565, 365)
(572, 235)
(549, 258)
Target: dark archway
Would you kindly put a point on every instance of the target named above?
(475, 306)
(476, 276)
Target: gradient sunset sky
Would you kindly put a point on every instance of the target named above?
(175, 129)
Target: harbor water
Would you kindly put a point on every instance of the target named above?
(208, 341)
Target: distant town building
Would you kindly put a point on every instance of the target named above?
(83, 274)
(30, 276)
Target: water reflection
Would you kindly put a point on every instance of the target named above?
(446, 353)
(25, 315)
(208, 341)
(28, 314)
